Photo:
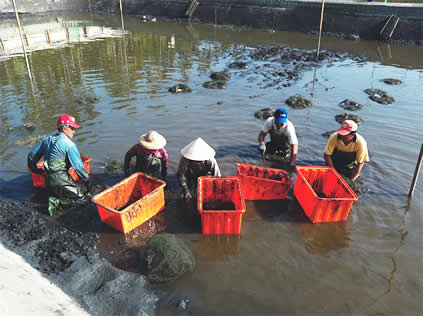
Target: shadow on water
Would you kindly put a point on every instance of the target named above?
(319, 238)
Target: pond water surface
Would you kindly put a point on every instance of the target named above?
(371, 264)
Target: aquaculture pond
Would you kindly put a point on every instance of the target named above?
(117, 87)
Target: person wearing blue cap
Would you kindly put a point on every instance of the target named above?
(283, 145)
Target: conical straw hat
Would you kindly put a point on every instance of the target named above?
(198, 149)
(152, 140)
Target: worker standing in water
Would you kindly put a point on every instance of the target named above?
(61, 153)
(346, 150)
(283, 145)
(151, 156)
(197, 160)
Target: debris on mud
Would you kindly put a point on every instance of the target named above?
(220, 76)
(30, 126)
(147, 18)
(386, 99)
(29, 140)
(238, 65)
(392, 81)
(379, 96)
(282, 65)
(264, 114)
(352, 37)
(328, 133)
(214, 84)
(350, 105)
(347, 116)
(298, 102)
(180, 88)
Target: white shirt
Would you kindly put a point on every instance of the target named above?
(287, 129)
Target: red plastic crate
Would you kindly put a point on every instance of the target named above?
(323, 194)
(261, 183)
(39, 181)
(215, 192)
(130, 202)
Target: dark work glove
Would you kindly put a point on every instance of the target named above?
(164, 173)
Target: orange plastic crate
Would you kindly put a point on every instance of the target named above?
(323, 194)
(214, 193)
(130, 202)
(39, 181)
(261, 183)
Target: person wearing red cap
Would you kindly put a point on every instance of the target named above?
(60, 153)
(346, 150)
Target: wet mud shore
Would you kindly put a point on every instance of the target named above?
(65, 251)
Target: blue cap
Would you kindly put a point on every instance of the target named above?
(281, 115)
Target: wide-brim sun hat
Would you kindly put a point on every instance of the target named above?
(152, 140)
(198, 150)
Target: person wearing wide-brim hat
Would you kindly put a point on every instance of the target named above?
(151, 156)
(346, 150)
(197, 160)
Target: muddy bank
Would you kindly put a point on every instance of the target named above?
(64, 249)
(351, 20)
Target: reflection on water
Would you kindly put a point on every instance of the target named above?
(117, 88)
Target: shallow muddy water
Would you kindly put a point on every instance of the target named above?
(117, 89)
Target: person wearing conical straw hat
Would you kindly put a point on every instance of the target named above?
(151, 156)
(197, 160)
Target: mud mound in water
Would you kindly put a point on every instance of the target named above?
(238, 65)
(347, 116)
(350, 105)
(30, 141)
(392, 81)
(264, 114)
(85, 99)
(379, 96)
(327, 134)
(298, 102)
(220, 76)
(180, 88)
(382, 99)
(215, 84)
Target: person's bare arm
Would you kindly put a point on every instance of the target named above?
(261, 137)
(328, 160)
(357, 171)
(294, 152)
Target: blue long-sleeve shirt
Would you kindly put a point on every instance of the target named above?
(58, 146)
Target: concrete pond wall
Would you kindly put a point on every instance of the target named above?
(348, 17)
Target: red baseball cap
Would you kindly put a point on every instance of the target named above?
(66, 119)
(347, 127)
